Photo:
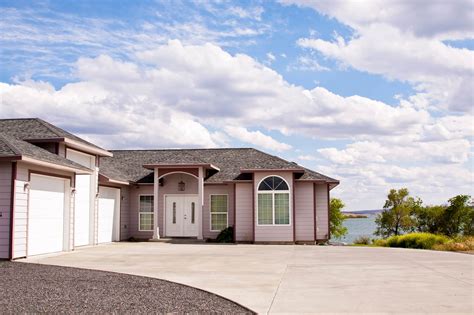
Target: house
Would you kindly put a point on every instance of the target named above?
(59, 192)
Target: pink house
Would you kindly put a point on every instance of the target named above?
(59, 192)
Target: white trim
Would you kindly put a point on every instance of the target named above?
(55, 166)
(178, 172)
(273, 192)
(139, 212)
(210, 213)
(81, 146)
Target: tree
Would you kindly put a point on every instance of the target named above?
(429, 219)
(458, 217)
(336, 218)
(396, 217)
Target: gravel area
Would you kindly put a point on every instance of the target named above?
(26, 287)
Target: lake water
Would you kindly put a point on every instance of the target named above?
(359, 227)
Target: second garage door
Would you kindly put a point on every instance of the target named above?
(109, 211)
(47, 214)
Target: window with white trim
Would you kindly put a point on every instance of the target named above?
(273, 201)
(145, 213)
(219, 211)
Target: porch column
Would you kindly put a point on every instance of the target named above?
(155, 204)
(201, 201)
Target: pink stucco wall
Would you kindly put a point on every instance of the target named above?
(5, 207)
(322, 211)
(274, 233)
(244, 209)
(304, 211)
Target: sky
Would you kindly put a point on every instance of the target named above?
(377, 94)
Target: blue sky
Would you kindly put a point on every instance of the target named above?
(375, 94)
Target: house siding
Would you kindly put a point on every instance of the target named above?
(20, 223)
(124, 212)
(216, 190)
(135, 192)
(273, 233)
(304, 211)
(243, 212)
(5, 208)
(322, 211)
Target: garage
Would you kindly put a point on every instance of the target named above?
(108, 214)
(47, 214)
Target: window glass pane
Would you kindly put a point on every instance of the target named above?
(282, 208)
(192, 212)
(273, 183)
(146, 221)
(218, 221)
(146, 203)
(265, 211)
(281, 185)
(218, 203)
(174, 212)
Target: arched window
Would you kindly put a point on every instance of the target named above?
(273, 201)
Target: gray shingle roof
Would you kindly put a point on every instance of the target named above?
(13, 147)
(127, 165)
(35, 129)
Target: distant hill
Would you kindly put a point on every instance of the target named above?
(375, 211)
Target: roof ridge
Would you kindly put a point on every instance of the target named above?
(49, 127)
(9, 145)
(176, 149)
(277, 157)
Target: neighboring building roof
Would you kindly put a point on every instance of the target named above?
(127, 165)
(16, 149)
(35, 129)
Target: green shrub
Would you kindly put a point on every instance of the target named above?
(417, 240)
(380, 242)
(226, 235)
(362, 240)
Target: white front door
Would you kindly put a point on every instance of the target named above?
(108, 216)
(181, 215)
(46, 214)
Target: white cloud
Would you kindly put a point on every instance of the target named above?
(180, 95)
(397, 41)
(436, 19)
(256, 138)
(305, 63)
(306, 158)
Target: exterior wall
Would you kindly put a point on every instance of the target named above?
(304, 211)
(243, 212)
(170, 186)
(206, 219)
(20, 224)
(136, 191)
(5, 208)
(273, 233)
(322, 211)
(124, 213)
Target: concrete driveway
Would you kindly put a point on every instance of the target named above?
(298, 279)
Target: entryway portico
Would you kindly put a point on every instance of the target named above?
(178, 199)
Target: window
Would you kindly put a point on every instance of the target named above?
(174, 212)
(145, 213)
(193, 210)
(273, 202)
(218, 212)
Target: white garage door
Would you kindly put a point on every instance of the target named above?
(109, 211)
(46, 224)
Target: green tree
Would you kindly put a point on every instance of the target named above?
(458, 217)
(429, 219)
(336, 218)
(397, 218)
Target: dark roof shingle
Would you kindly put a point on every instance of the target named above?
(13, 147)
(127, 165)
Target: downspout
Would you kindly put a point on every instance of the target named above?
(12, 207)
(235, 214)
(329, 215)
